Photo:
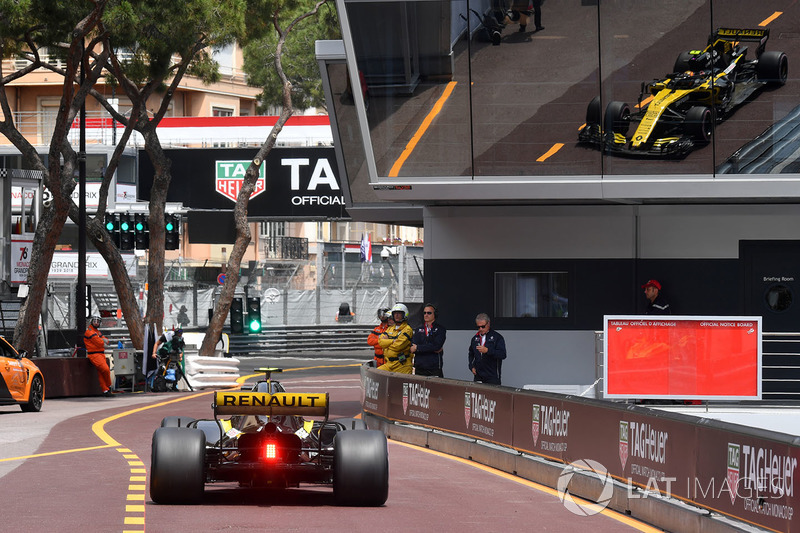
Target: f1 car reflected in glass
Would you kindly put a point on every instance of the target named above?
(261, 438)
(676, 114)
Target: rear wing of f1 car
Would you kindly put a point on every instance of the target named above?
(734, 35)
(726, 40)
(263, 403)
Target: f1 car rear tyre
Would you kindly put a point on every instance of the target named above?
(176, 421)
(360, 468)
(682, 63)
(594, 111)
(618, 117)
(698, 124)
(773, 68)
(36, 396)
(176, 466)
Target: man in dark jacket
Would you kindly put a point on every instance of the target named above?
(487, 349)
(427, 344)
(656, 305)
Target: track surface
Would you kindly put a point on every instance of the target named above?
(91, 469)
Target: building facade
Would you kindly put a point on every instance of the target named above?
(556, 171)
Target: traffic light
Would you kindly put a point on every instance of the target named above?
(237, 319)
(254, 315)
(112, 227)
(126, 241)
(141, 231)
(171, 229)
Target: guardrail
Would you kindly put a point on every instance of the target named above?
(677, 472)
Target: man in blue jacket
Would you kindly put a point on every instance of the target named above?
(487, 349)
(427, 344)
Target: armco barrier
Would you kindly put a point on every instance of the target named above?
(677, 472)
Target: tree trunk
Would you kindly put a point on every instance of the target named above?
(158, 199)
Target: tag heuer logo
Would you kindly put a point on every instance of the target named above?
(535, 424)
(467, 409)
(230, 177)
(405, 397)
(734, 454)
(623, 443)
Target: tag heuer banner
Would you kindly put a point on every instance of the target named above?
(293, 182)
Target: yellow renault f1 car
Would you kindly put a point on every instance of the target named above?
(677, 113)
(261, 438)
(22, 382)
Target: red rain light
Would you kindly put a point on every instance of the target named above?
(271, 451)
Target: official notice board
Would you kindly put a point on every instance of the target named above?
(682, 357)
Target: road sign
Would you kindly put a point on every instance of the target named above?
(221, 279)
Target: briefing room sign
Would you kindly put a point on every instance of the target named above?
(292, 183)
(682, 357)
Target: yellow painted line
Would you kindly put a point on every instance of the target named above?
(135, 463)
(137, 478)
(130, 456)
(134, 508)
(137, 520)
(136, 497)
(60, 452)
(551, 152)
(771, 18)
(136, 487)
(422, 129)
(138, 471)
(628, 521)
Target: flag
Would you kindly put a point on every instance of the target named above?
(366, 248)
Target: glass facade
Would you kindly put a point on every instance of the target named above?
(464, 90)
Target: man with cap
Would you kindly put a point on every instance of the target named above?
(656, 305)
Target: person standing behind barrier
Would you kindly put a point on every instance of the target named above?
(487, 350)
(427, 344)
(374, 337)
(396, 341)
(656, 305)
(95, 343)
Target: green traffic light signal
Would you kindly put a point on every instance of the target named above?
(109, 226)
(139, 226)
(170, 227)
(124, 226)
(255, 326)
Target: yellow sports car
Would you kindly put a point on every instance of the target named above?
(22, 381)
(677, 113)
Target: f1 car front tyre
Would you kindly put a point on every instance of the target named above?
(36, 396)
(773, 68)
(176, 421)
(618, 117)
(698, 124)
(360, 468)
(176, 466)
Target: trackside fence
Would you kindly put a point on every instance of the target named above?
(645, 463)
